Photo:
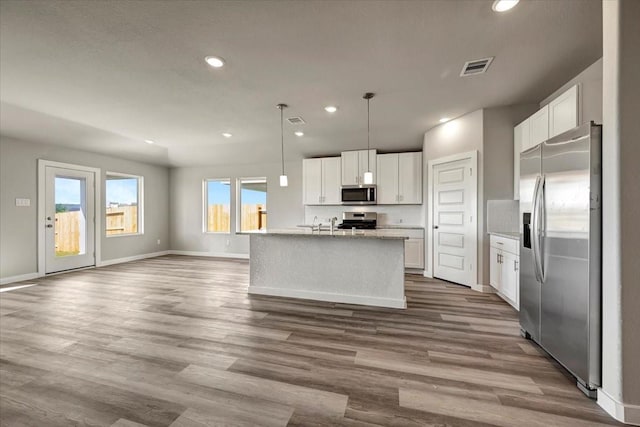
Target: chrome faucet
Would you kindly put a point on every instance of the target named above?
(333, 224)
(313, 224)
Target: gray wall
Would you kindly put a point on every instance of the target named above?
(18, 225)
(490, 132)
(458, 136)
(621, 202)
(590, 81)
(498, 146)
(284, 205)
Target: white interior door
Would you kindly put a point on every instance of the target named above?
(69, 236)
(454, 225)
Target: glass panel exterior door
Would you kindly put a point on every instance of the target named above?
(70, 219)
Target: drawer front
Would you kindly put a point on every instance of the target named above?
(506, 244)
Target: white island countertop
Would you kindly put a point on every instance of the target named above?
(358, 234)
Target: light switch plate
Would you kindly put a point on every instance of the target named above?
(23, 202)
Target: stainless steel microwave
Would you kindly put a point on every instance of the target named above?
(359, 195)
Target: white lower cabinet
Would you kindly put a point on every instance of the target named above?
(414, 253)
(413, 245)
(504, 265)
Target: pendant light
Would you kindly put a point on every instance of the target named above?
(368, 175)
(284, 182)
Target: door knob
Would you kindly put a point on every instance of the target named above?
(435, 226)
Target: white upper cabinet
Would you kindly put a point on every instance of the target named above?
(331, 187)
(410, 178)
(312, 181)
(539, 127)
(387, 179)
(563, 112)
(355, 164)
(560, 115)
(321, 181)
(399, 178)
(521, 143)
(350, 168)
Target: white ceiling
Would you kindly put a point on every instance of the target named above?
(105, 76)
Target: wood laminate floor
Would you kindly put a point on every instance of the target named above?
(177, 341)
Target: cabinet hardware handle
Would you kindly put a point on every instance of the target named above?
(515, 265)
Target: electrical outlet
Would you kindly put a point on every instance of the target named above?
(400, 221)
(158, 241)
(228, 242)
(23, 202)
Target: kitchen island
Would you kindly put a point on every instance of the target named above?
(365, 267)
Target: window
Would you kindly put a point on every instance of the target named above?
(217, 202)
(252, 204)
(123, 204)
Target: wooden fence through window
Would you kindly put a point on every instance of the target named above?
(119, 220)
(252, 218)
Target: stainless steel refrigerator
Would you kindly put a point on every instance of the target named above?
(560, 250)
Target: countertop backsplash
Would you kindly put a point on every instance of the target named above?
(502, 216)
(409, 215)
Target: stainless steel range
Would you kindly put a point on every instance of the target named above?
(360, 220)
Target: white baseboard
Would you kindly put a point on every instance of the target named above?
(623, 412)
(18, 278)
(104, 263)
(479, 287)
(211, 254)
(329, 297)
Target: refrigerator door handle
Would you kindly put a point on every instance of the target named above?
(543, 228)
(536, 241)
(534, 229)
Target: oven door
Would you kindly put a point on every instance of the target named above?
(357, 195)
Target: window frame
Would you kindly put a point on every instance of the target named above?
(238, 202)
(205, 204)
(140, 204)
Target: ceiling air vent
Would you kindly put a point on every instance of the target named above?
(295, 120)
(477, 66)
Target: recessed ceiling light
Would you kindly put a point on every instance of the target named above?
(214, 61)
(227, 135)
(148, 141)
(504, 5)
(330, 109)
(298, 133)
(444, 119)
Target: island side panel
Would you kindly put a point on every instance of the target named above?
(367, 271)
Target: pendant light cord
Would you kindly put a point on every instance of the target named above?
(368, 132)
(282, 136)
